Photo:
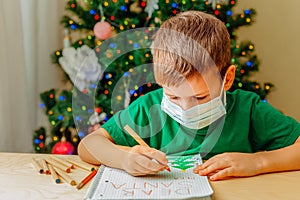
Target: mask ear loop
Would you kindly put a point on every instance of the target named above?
(223, 92)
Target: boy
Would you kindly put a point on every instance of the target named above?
(238, 134)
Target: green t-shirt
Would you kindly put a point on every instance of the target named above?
(250, 125)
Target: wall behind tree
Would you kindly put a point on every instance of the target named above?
(49, 75)
(275, 35)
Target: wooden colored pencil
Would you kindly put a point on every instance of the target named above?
(65, 176)
(139, 140)
(54, 174)
(82, 165)
(63, 162)
(45, 167)
(86, 179)
(135, 136)
(37, 166)
(58, 165)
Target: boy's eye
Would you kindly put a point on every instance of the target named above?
(173, 98)
(201, 98)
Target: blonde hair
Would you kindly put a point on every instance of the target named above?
(190, 42)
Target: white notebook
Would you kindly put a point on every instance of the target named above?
(180, 183)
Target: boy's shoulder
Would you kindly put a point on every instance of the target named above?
(156, 93)
(242, 98)
(153, 97)
(239, 94)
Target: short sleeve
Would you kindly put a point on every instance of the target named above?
(114, 128)
(136, 116)
(271, 129)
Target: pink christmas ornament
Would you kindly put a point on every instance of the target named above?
(63, 147)
(102, 30)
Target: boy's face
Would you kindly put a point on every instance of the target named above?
(194, 90)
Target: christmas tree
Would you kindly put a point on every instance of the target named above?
(118, 68)
(183, 163)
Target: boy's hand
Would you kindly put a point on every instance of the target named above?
(229, 165)
(138, 161)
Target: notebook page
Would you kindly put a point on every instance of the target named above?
(180, 183)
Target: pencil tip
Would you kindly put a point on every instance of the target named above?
(73, 183)
(79, 186)
(168, 168)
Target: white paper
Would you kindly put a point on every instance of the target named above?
(180, 183)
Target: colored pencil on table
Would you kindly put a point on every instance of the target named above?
(63, 162)
(86, 179)
(37, 166)
(58, 165)
(82, 165)
(45, 167)
(54, 174)
(140, 140)
(65, 176)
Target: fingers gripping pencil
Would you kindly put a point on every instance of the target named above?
(140, 141)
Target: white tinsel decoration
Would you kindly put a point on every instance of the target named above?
(151, 6)
(96, 118)
(215, 2)
(81, 65)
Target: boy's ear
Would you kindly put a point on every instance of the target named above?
(230, 75)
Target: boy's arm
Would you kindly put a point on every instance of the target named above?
(98, 147)
(92, 147)
(249, 164)
(284, 159)
(88, 157)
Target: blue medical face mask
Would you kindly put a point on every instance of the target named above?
(198, 116)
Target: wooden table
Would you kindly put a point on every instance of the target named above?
(19, 180)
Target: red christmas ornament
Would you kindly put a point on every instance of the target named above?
(102, 30)
(96, 17)
(63, 147)
(98, 110)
